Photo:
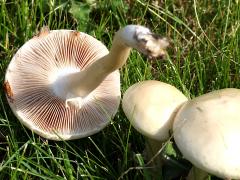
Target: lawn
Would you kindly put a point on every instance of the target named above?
(203, 56)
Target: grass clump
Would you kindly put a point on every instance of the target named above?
(204, 56)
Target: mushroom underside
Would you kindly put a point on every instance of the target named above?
(31, 75)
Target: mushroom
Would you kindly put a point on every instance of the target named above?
(64, 84)
(206, 130)
(150, 107)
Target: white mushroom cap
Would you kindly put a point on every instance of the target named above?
(207, 132)
(34, 69)
(150, 107)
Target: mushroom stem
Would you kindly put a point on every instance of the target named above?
(84, 82)
(153, 157)
(197, 174)
(80, 84)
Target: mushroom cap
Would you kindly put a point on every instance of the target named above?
(29, 85)
(207, 132)
(150, 107)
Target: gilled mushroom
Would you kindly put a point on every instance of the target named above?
(207, 132)
(150, 107)
(64, 84)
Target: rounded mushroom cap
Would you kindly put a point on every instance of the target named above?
(29, 85)
(150, 107)
(207, 132)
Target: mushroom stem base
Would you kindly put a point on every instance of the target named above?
(153, 157)
(197, 174)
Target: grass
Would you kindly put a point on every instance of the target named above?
(204, 56)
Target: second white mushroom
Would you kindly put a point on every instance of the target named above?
(150, 107)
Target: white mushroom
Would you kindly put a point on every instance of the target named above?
(207, 132)
(150, 107)
(64, 84)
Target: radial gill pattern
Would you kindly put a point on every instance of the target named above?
(32, 71)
